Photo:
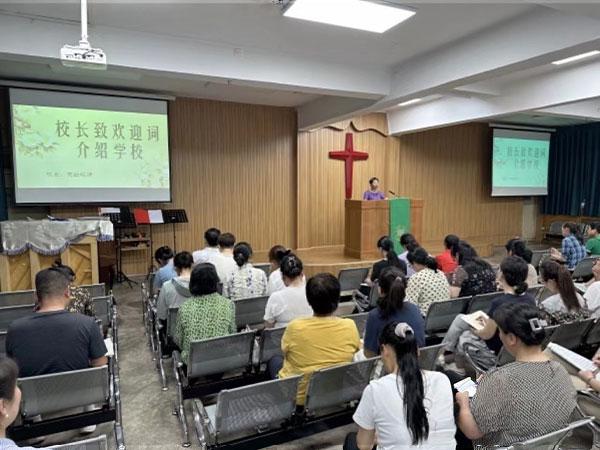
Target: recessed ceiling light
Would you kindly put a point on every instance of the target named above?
(576, 57)
(358, 14)
(410, 102)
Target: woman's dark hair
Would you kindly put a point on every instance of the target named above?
(574, 230)
(183, 260)
(8, 378)
(387, 245)
(211, 236)
(409, 242)
(291, 266)
(204, 280)
(464, 253)
(517, 247)
(373, 179)
(163, 253)
(451, 242)
(519, 318)
(420, 256)
(393, 287)
(323, 293)
(515, 271)
(411, 377)
(277, 253)
(69, 273)
(551, 270)
(242, 253)
(595, 226)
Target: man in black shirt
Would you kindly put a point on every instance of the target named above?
(53, 340)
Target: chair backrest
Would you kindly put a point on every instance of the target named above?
(266, 268)
(428, 356)
(103, 309)
(583, 269)
(97, 443)
(555, 228)
(593, 335)
(344, 309)
(172, 321)
(95, 290)
(537, 257)
(534, 291)
(9, 314)
(374, 295)
(549, 332)
(551, 440)
(56, 392)
(270, 343)
(2, 344)
(221, 354)
(483, 302)
(571, 335)
(256, 408)
(360, 320)
(17, 298)
(250, 311)
(338, 385)
(351, 279)
(504, 357)
(441, 314)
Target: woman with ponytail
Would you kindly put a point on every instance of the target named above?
(276, 255)
(246, 281)
(518, 401)
(446, 261)
(391, 308)
(428, 284)
(390, 259)
(565, 304)
(409, 406)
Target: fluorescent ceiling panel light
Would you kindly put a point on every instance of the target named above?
(357, 14)
(576, 57)
(410, 102)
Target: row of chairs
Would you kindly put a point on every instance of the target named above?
(27, 297)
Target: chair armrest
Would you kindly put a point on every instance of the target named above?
(177, 359)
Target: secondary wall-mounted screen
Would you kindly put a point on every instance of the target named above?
(83, 148)
(520, 162)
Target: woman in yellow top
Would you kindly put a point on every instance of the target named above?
(322, 340)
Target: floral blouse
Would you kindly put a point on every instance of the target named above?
(245, 282)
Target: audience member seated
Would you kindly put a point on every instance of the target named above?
(521, 400)
(565, 304)
(81, 301)
(323, 340)
(516, 247)
(276, 255)
(408, 243)
(223, 262)
(473, 275)
(207, 314)
(428, 284)
(572, 249)
(592, 293)
(289, 303)
(513, 273)
(391, 308)
(164, 257)
(54, 340)
(593, 243)
(409, 406)
(208, 253)
(390, 259)
(176, 291)
(245, 281)
(446, 261)
(10, 401)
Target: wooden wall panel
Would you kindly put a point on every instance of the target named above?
(233, 167)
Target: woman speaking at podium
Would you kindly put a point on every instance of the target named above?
(374, 193)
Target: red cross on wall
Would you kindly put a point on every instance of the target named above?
(349, 155)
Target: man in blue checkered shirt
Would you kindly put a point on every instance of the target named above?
(572, 250)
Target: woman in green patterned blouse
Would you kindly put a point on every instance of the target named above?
(81, 301)
(207, 314)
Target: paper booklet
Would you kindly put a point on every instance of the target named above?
(476, 319)
(466, 385)
(575, 359)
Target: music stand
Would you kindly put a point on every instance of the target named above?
(174, 216)
(120, 220)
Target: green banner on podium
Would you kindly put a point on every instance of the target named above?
(399, 220)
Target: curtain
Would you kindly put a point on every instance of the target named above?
(574, 171)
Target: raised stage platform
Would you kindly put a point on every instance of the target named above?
(329, 259)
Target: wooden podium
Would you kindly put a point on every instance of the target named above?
(367, 221)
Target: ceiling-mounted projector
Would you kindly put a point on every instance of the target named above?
(83, 55)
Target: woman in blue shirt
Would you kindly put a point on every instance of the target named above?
(391, 308)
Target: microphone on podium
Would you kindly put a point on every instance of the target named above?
(393, 193)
